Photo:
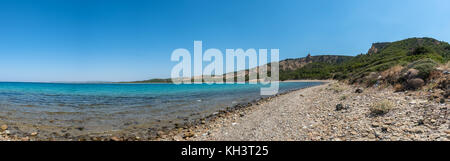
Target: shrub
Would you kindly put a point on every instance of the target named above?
(381, 108)
(340, 76)
(420, 51)
(434, 75)
(425, 66)
(398, 88)
(371, 79)
(392, 74)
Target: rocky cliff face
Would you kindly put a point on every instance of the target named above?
(376, 47)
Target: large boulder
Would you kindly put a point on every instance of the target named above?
(411, 73)
(415, 83)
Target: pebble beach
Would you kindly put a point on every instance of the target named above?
(313, 114)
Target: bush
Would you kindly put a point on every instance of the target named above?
(340, 76)
(420, 51)
(381, 108)
(371, 79)
(434, 75)
(398, 88)
(392, 75)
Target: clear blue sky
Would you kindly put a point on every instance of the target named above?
(90, 40)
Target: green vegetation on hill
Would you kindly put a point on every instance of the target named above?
(401, 53)
(309, 71)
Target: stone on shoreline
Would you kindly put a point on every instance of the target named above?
(447, 132)
(4, 127)
(375, 124)
(114, 138)
(340, 107)
(359, 90)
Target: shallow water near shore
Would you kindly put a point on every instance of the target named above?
(64, 109)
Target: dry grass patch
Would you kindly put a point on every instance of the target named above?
(381, 108)
(392, 74)
(445, 66)
(335, 87)
(398, 87)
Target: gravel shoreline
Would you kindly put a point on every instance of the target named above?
(332, 111)
(310, 115)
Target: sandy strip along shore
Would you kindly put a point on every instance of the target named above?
(310, 114)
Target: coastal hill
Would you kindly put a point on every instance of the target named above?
(380, 57)
(285, 66)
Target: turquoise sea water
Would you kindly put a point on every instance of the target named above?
(103, 107)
